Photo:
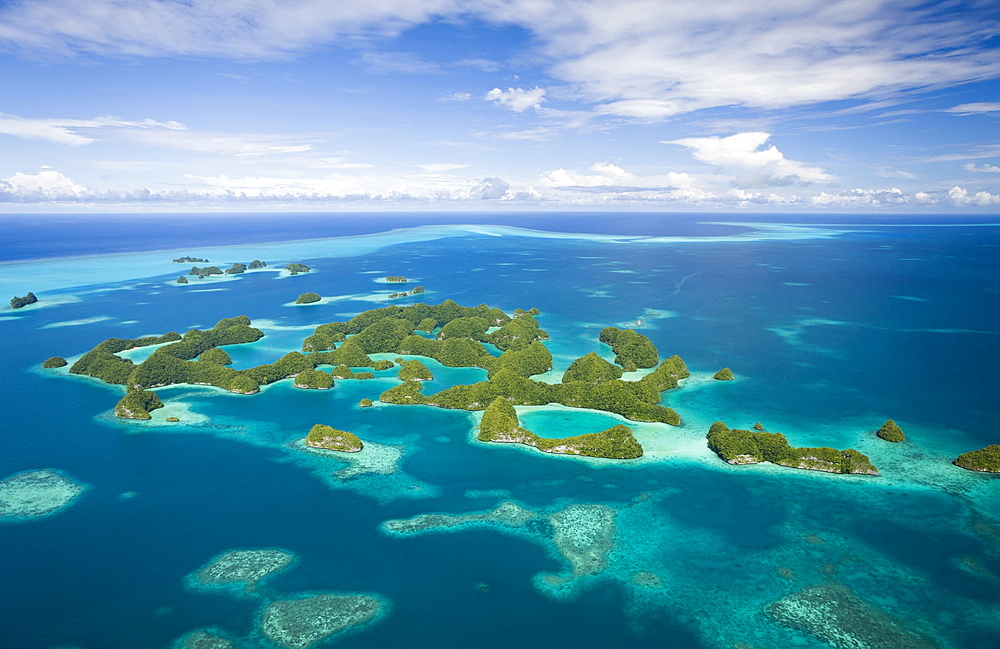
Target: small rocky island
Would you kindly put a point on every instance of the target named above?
(331, 439)
(417, 290)
(725, 374)
(891, 432)
(986, 459)
(296, 268)
(752, 447)
(21, 302)
(308, 298)
(137, 404)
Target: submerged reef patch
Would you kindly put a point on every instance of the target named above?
(508, 514)
(584, 534)
(33, 494)
(833, 614)
(241, 569)
(304, 622)
(203, 639)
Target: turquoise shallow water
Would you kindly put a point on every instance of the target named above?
(830, 330)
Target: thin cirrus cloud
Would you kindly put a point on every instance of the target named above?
(745, 156)
(170, 135)
(632, 58)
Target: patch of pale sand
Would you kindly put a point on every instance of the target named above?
(33, 494)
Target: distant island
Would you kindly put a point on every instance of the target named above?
(395, 278)
(296, 268)
(986, 459)
(190, 260)
(752, 447)
(20, 302)
(417, 290)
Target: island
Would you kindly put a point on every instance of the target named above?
(395, 278)
(182, 280)
(365, 403)
(752, 447)
(331, 439)
(414, 370)
(725, 374)
(393, 329)
(296, 268)
(55, 361)
(205, 272)
(257, 263)
(891, 432)
(308, 298)
(500, 424)
(632, 349)
(21, 302)
(986, 459)
(136, 404)
(190, 260)
(417, 290)
(236, 269)
(314, 380)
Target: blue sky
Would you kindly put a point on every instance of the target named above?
(804, 105)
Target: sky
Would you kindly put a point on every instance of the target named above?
(658, 105)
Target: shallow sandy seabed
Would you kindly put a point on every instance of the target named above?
(202, 639)
(33, 494)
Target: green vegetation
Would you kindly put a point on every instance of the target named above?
(414, 370)
(190, 260)
(236, 269)
(725, 374)
(297, 268)
(365, 403)
(55, 361)
(591, 382)
(215, 355)
(395, 278)
(500, 424)
(985, 459)
(207, 270)
(331, 439)
(750, 447)
(314, 380)
(308, 298)
(19, 302)
(182, 280)
(137, 404)
(591, 369)
(632, 349)
(257, 263)
(891, 432)
(758, 426)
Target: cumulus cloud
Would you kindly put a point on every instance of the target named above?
(491, 188)
(744, 156)
(861, 197)
(47, 184)
(517, 99)
(961, 197)
(984, 168)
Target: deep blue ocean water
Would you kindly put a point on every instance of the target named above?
(831, 329)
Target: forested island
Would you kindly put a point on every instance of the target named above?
(986, 459)
(331, 439)
(590, 382)
(20, 302)
(752, 447)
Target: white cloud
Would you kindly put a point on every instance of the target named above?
(744, 156)
(975, 108)
(607, 175)
(457, 96)
(984, 168)
(517, 99)
(861, 197)
(44, 185)
(491, 188)
(961, 197)
(486, 65)
(635, 58)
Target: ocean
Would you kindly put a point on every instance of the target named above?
(831, 325)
